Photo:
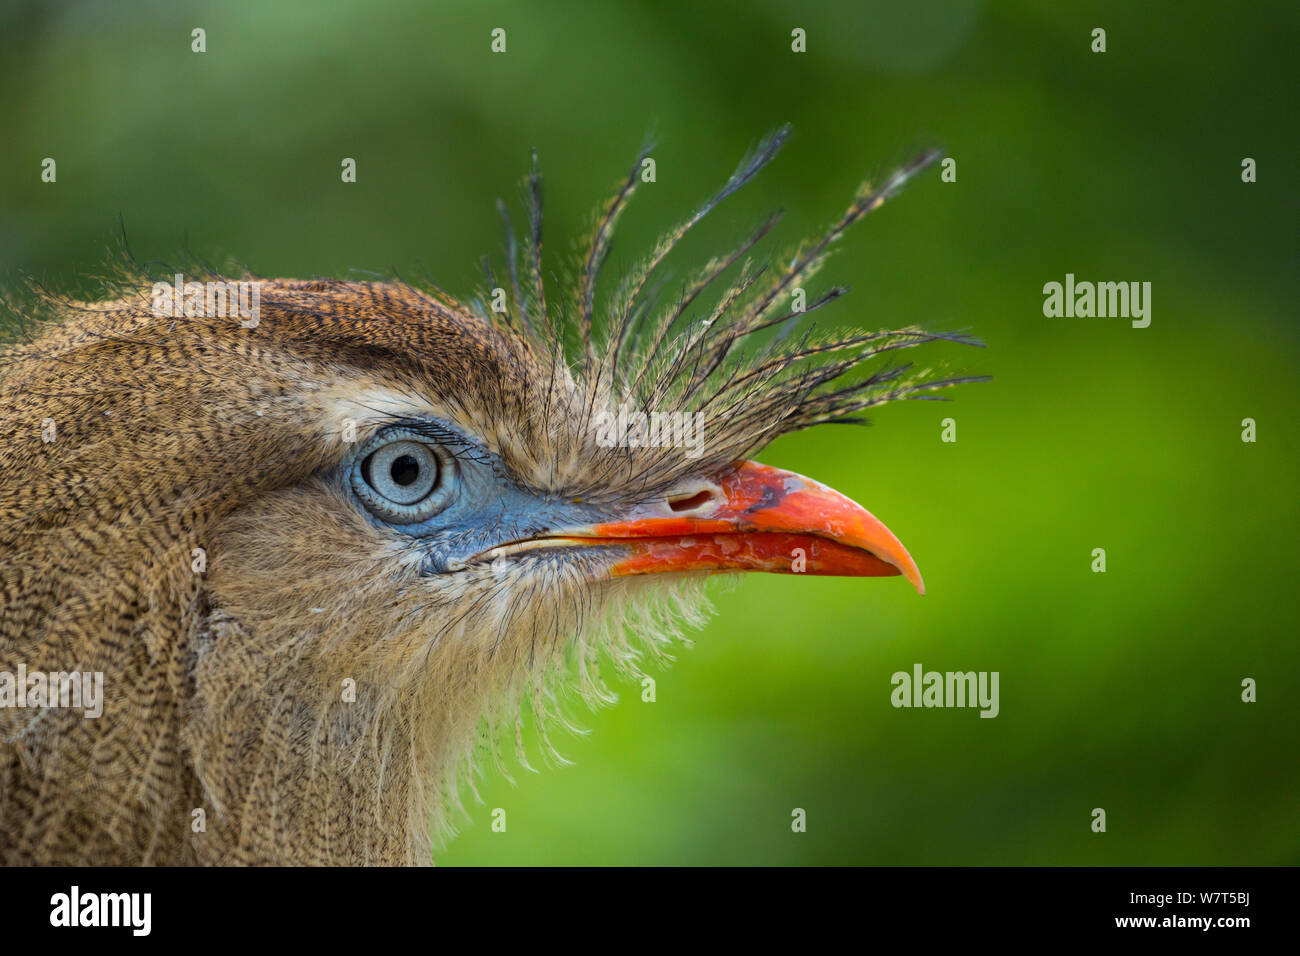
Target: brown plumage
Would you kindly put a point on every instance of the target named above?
(296, 673)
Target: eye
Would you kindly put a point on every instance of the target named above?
(402, 478)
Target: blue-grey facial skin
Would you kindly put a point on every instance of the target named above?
(485, 508)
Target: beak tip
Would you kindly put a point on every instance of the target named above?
(914, 576)
(908, 569)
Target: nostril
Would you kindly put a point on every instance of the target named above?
(690, 502)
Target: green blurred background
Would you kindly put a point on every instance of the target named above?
(1118, 690)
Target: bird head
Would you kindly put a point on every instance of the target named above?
(323, 556)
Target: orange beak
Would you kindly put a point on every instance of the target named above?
(757, 518)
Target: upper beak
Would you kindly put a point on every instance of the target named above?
(754, 518)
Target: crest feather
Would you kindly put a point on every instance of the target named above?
(751, 361)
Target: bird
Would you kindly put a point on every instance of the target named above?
(324, 559)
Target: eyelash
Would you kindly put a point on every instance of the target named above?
(455, 444)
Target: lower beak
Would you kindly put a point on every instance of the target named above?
(756, 518)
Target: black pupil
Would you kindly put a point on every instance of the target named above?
(404, 470)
